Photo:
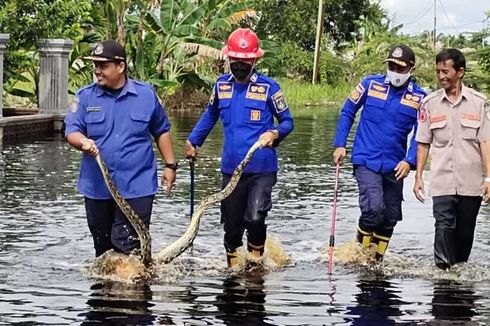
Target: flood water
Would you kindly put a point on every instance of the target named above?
(46, 249)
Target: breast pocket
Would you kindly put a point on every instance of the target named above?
(441, 134)
(406, 118)
(225, 111)
(255, 113)
(95, 124)
(373, 109)
(469, 129)
(140, 122)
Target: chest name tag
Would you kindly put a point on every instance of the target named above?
(94, 109)
(471, 116)
(255, 115)
(412, 100)
(378, 90)
(257, 92)
(438, 118)
(225, 90)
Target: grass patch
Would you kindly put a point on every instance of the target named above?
(300, 94)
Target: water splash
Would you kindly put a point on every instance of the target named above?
(118, 267)
(353, 255)
(275, 256)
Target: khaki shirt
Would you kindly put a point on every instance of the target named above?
(455, 132)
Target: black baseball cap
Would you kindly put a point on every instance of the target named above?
(109, 50)
(401, 55)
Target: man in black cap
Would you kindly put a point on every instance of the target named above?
(118, 117)
(381, 161)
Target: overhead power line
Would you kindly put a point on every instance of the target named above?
(447, 16)
(420, 17)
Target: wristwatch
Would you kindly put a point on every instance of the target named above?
(174, 166)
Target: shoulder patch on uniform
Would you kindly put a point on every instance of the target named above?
(357, 93)
(257, 91)
(486, 107)
(279, 101)
(422, 114)
(75, 103)
(225, 90)
(378, 90)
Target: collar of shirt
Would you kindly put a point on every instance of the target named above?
(465, 93)
(128, 88)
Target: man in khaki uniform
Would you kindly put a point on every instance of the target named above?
(455, 120)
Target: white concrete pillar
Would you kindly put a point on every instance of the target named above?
(53, 75)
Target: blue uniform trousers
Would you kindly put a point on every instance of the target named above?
(246, 209)
(109, 226)
(455, 223)
(380, 200)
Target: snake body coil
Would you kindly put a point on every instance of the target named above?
(169, 253)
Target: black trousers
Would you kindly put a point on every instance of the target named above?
(110, 228)
(246, 209)
(454, 228)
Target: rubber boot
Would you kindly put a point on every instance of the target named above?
(232, 259)
(255, 251)
(364, 237)
(255, 265)
(381, 239)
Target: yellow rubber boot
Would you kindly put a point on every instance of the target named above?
(255, 251)
(232, 259)
(381, 243)
(364, 237)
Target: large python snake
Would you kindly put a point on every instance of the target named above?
(167, 254)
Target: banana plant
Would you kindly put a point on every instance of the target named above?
(186, 31)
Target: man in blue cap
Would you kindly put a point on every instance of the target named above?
(390, 105)
(118, 117)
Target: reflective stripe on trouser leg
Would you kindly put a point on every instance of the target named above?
(364, 237)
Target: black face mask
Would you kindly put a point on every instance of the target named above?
(240, 70)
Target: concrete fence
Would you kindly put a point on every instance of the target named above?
(53, 90)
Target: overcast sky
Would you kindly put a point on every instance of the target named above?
(453, 16)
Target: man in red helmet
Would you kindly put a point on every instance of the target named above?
(246, 102)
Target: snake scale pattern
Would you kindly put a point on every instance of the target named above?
(172, 251)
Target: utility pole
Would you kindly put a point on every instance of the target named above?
(435, 24)
(318, 40)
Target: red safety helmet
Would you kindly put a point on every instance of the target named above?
(243, 44)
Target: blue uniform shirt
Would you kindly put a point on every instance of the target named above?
(122, 128)
(246, 111)
(388, 116)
